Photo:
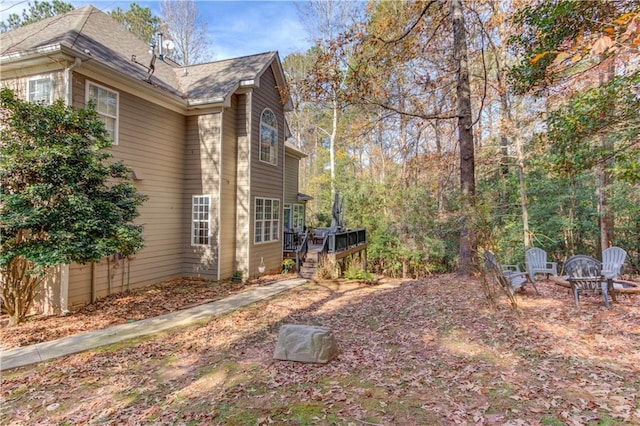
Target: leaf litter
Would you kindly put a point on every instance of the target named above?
(429, 351)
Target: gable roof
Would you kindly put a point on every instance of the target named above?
(218, 80)
(94, 37)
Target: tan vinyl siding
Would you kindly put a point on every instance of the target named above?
(244, 222)
(202, 177)
(20, 85)
(79, 294)
(266, 179)
(48, 299)
(150, 142)
(228, 187)
(291, 179)
(175, 156)
(78, 94)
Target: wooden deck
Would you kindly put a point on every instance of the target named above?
(347, 252)
(335, 247)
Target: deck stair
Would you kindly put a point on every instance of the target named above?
(310, 264)
(308, 268)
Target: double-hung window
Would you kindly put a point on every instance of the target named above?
(268, 137)
(201, 220)
(267, 220)
(41, 90)
(106, 102)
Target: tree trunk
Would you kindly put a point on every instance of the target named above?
(523, 195)
(504, 141)
(19, 289)
(465, 138)
(571, 246)
(604, 195)
(637, 241)
(332, 141)
(443, 165)
(604, 190)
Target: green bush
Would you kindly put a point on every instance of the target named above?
(288, 265)
(355, 271)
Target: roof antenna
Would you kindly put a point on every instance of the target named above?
(152, 64)
(164, 45)
(159, 43)
(150, 69)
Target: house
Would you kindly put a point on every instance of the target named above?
(206, 144)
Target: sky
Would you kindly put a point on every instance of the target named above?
(235, 27)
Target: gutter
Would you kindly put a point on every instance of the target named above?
(38, 51)
(205, 101)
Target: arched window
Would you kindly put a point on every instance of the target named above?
(268, 137)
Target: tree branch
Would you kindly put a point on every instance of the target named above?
(411, 28)
(438, 116)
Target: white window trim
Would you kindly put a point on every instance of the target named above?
(295, 210)
(117, 116)
(193, 221)
(300, 210)
(274, 229)
(40, 77)
(287, 215)
(274, 147)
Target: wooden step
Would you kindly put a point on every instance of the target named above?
(308, 269)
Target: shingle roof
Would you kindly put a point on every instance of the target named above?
(89, 31)
(220, 78)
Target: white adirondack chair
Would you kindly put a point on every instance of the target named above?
(508, 275)
(585, 274)
(612, 260)
(536, 260)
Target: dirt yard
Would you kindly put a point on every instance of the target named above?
(120, 308)
(433, 351)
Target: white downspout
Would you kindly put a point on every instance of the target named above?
(64, 269)
(68, 86)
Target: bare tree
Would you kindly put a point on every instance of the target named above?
(325, 20)
(187, 30)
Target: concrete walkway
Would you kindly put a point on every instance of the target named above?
(33, 354)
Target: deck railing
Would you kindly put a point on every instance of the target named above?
(291, 240)
(339, 241)
(298, 244)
